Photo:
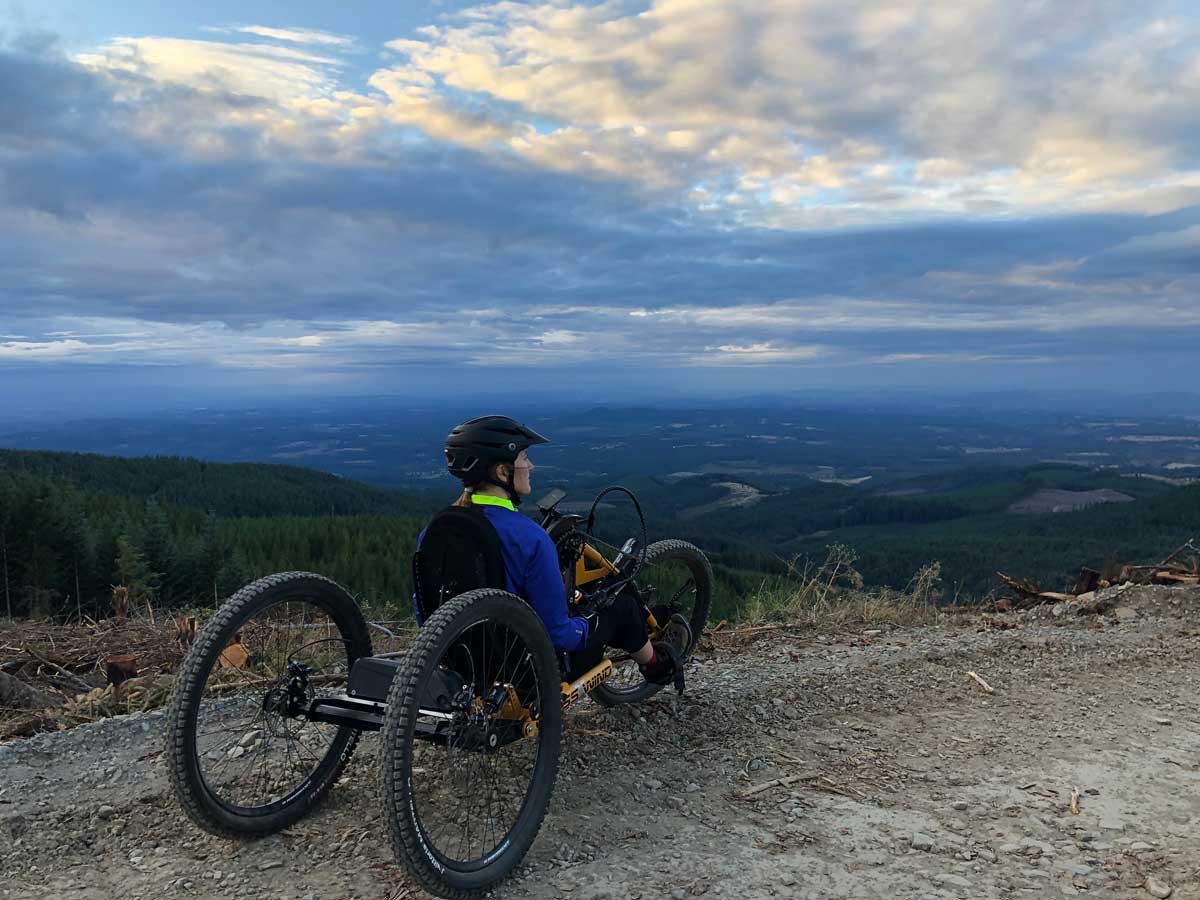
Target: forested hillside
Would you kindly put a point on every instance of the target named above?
(181, 532)
(226, 489)
(958, 518)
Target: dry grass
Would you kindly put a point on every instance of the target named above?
(832, 595)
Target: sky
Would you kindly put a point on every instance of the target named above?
(628, 199)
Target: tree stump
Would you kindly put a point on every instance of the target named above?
(120, 668)
(120, 601)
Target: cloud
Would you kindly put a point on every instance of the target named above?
(20, 350)
(245, 207)
(259, 70)
(811, 114)
(297, 35)
(763, 353)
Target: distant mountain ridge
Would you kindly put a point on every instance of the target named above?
(225, 489)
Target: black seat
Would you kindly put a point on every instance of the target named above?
(459, 552)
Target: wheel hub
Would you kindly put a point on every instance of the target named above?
(290, 698)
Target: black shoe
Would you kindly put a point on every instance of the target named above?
(667, 667)
(677, 632)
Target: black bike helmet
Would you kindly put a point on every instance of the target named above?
(473, 447)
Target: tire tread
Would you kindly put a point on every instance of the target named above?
(604, 695)
(403, 830)
(184, 695)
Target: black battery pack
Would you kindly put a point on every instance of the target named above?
(371, 678)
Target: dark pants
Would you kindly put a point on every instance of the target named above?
(621, 625)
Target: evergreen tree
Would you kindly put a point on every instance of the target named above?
(133, 572)
(157, 547)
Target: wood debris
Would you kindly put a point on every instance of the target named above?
(16, 694)
(1179, 567)
(1030, 594)
(234, 656)
(56, 664)
(987, 688)
(773, 783)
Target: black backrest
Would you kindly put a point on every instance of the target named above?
(459, 552)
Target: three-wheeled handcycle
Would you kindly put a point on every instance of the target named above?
(272, 697)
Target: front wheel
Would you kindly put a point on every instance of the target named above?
(471, 743)
(676, 578)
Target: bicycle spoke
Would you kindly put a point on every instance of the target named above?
(460, 799)
(253, 749)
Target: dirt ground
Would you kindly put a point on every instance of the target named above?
(882, 769)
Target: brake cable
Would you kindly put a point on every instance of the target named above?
(615, 589)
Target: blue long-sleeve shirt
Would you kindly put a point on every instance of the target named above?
(531, 571)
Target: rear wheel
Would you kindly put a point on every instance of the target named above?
(471, 743)
(243, 758)
(676, 578)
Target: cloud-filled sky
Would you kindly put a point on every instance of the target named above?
(684, 195)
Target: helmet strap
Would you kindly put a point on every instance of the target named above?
(508, 485)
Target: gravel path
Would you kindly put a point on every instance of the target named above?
(883, 770)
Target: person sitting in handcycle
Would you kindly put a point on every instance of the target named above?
(490, 456)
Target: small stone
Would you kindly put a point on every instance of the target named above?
(1126, 614)
(105, 812)
(950, 880)
(961, 805)
(269, 864)
(679, 894)
(1030, 847)
(922, 842)
(1140, 847)
(1157, 888)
